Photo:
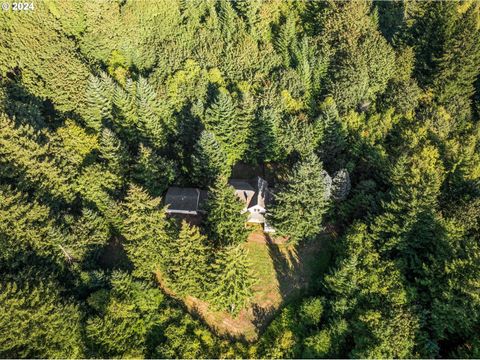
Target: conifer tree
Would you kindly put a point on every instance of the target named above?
(124, 317)
(333, 140)
(363, 61)
(225, 221)
(231, 287)
(98, 106)
(188, 261)
(302, 202)
(25, 225)
(22, 156)
(458, 67)
(152, 171)
(209, 161)
(149, 113)
(145, 231)
(230, 128)
(113, 152)
(37, 323)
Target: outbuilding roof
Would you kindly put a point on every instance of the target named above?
(184, 200)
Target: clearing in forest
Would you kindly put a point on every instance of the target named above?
(284, 272)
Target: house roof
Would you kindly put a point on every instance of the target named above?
(183, 200)
(243, 190)
(253, 192)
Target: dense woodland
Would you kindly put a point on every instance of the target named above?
(104, 104)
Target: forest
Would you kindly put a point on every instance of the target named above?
(364, 117)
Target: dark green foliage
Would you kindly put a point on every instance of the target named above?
(225, 220)
(152, 171)
(145, 231)
(125, 317)
(209, 160)
(302, 202)
(104, 105)
(232, 280)
(37, 323)
(188, 258)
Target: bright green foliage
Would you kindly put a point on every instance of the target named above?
(225, 220)
(311, 311)
(318, 345)
(99, 101)
(187, 265)
(31, 41)
(113, 152)
(152, 171)
(24, 225)
(105, 104)
(145, 231)
(186, 338)
(302, 202)
(363, 61)
(231, 287)
(209, 160)
(89, 233)
(23, 157)
(230, 128)
(125, 317)
(37, 323)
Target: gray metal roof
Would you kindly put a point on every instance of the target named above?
(253, 192)
(182, 200)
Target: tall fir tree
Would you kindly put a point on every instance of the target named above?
(225, 218)
(188, 258)
(145, 231)
(37, 322)
(301, 203)
(98, 107)
(124, 317)
(231, 287)
(231, 129)
(153, 171)
(209, 160)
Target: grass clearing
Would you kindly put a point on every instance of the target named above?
(283, 272)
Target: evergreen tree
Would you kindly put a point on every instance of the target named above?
(209, 160)
(37, 323)
(98, 106)
(113, 152)
(333, 139)
(145, 231)
(22, 156)
(149, 113)
(225, 218)
(363, 61)
(231, 130)
(152, 171)
(188, 261)
(25, 225)
(302, 202)
(231, 288)
(125, 318)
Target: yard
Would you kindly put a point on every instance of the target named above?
(283, 273)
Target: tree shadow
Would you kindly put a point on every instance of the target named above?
(287, 265)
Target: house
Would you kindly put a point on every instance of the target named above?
(185, 201)
(188, 202)
(256, 196)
